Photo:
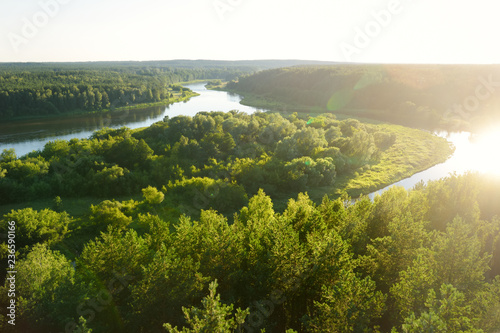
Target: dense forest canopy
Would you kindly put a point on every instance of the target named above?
(428, 96)
(410, 261)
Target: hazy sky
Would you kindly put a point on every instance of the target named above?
(410, 31)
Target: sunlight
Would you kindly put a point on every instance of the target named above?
(485, 154)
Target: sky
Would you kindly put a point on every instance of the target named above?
(388, 31)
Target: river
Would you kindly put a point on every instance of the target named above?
(26, 136)
(472, 153)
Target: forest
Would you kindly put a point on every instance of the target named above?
(206, 224)
(52, 92)
(409, 261)
(281, 154)
(236, 222)
(41, 89)
(422, 96)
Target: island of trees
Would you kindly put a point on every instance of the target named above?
(282, 155)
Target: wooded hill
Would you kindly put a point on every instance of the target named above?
(452, 97)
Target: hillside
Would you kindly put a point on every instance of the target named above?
(426, 96)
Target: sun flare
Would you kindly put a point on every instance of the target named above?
(486, 153)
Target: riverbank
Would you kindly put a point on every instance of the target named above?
(414, 151)
(176, 99)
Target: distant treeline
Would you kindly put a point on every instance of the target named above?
(41, 90)
(428, 96)
(38, 89)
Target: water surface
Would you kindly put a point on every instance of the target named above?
(26, 136)
(476, 153)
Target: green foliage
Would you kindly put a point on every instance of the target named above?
(410, 292)
(449, 200)
(43, 280)
(402, 94)
(337, 266)
(296, 263)
(414, 261)
(113, 252)
(8, 155)
(461, 261)
(109, 213)
(449, 313)
(27, 170)
(349, 305)
(83, 326)
(40, 90)
(384, 140)
(41, 272)
(263, 150)
(411, 152)
(110, 180)
(129, 152)
(213, 317)
(304, 143)
(305, 172)
(152, 196)
(58, 204)
(175, 278)
(205, 193)
(45, 226)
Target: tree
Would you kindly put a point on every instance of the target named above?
(152, 196)
(114, 252)
(27, 170)
(111, 180)
(129, 153)
(305, 141)
(214, 317)
(460, 260)
(392, 254)
(57, 148)
(8, 155)
(168, 282)
(448, 313)
(414, 284)
(57, 204)
(455, 195)
(351, 304)
(45, 226)
(109, 213)
(40, 278)
(360, 147)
